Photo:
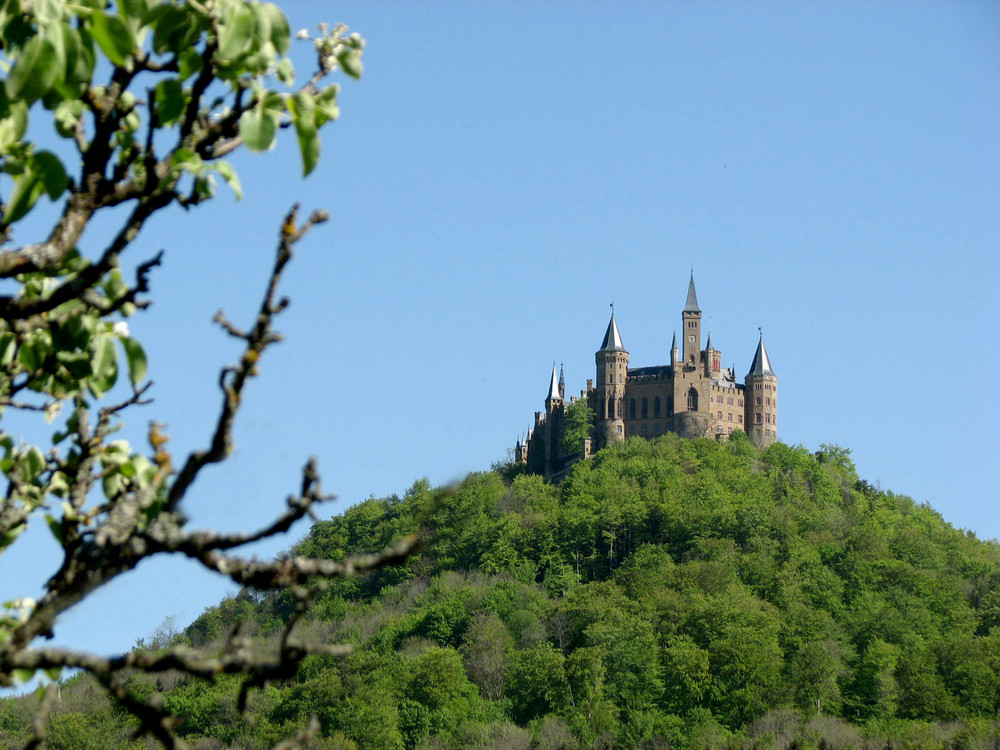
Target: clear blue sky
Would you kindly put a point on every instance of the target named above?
(505, 170)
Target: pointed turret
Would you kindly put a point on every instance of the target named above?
(692, 301)
(761, 364)
(612, 338)
(691, 321)
(562, 383)
(554, 386)
(609, 394)
(761, 399)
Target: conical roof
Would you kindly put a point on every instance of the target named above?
(612, 339)
(761, 364)
(692, 301)
(554, 385)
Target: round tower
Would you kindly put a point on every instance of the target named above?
(761, 399)
(612, 372)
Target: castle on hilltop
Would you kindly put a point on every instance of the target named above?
(693, 396)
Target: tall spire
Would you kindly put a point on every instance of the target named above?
(692, 301)
(612, 339)
(562, 383)
(761, 364)
(673, 344)
(554, 385)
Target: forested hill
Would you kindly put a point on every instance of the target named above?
(675, 593)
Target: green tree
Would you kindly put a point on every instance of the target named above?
(576, 426)
(149, 97)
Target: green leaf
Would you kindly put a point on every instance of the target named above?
(28, 188)
(67, 114)
(326, 105)
(32, 462)
(284, 71)
(54, 673)
(235, 31)
(51, 173)
(8, 537)
(8, 348)
(12, 126)
(113, 36)
(350, 62)
(35, 71)
(134, 10)
(136, 359)
(190, 63)
(22, 675)
(170, 101)
(271, 19)
(226, 171)
(172, 28)
(258, 127)
(56, 527)
(104, 364)
(303, 109)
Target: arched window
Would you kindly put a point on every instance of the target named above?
(670, 406)
(692, 400)
(645, 408)
(656, 408)
(631, 408)
(621, 407)
(611, 407)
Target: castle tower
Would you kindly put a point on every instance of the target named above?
(713, 359)
(553, 421)
(612, 373)
(691, 323)
(761, 399)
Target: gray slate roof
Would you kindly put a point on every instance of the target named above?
(612, 339)
(554, 385)
(761, 364)
(692, 301)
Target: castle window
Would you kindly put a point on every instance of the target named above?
(644, 429)
(645, 409)
(739, 418)
(631, 429)
(670, 406)
(739, 402)
(758, 401)
(619, 429)
(621, 407)
(718, 399)
(619, 379)
(767, 418)
(656, 407)
(768, 400)
(656, 427)
(729, 417)
(611, 407)
(692, 400)
(611, 379)
(729, 401)
(758, 419)
(719, 416)
(631, 408)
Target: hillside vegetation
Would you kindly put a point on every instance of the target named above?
(675, 593)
